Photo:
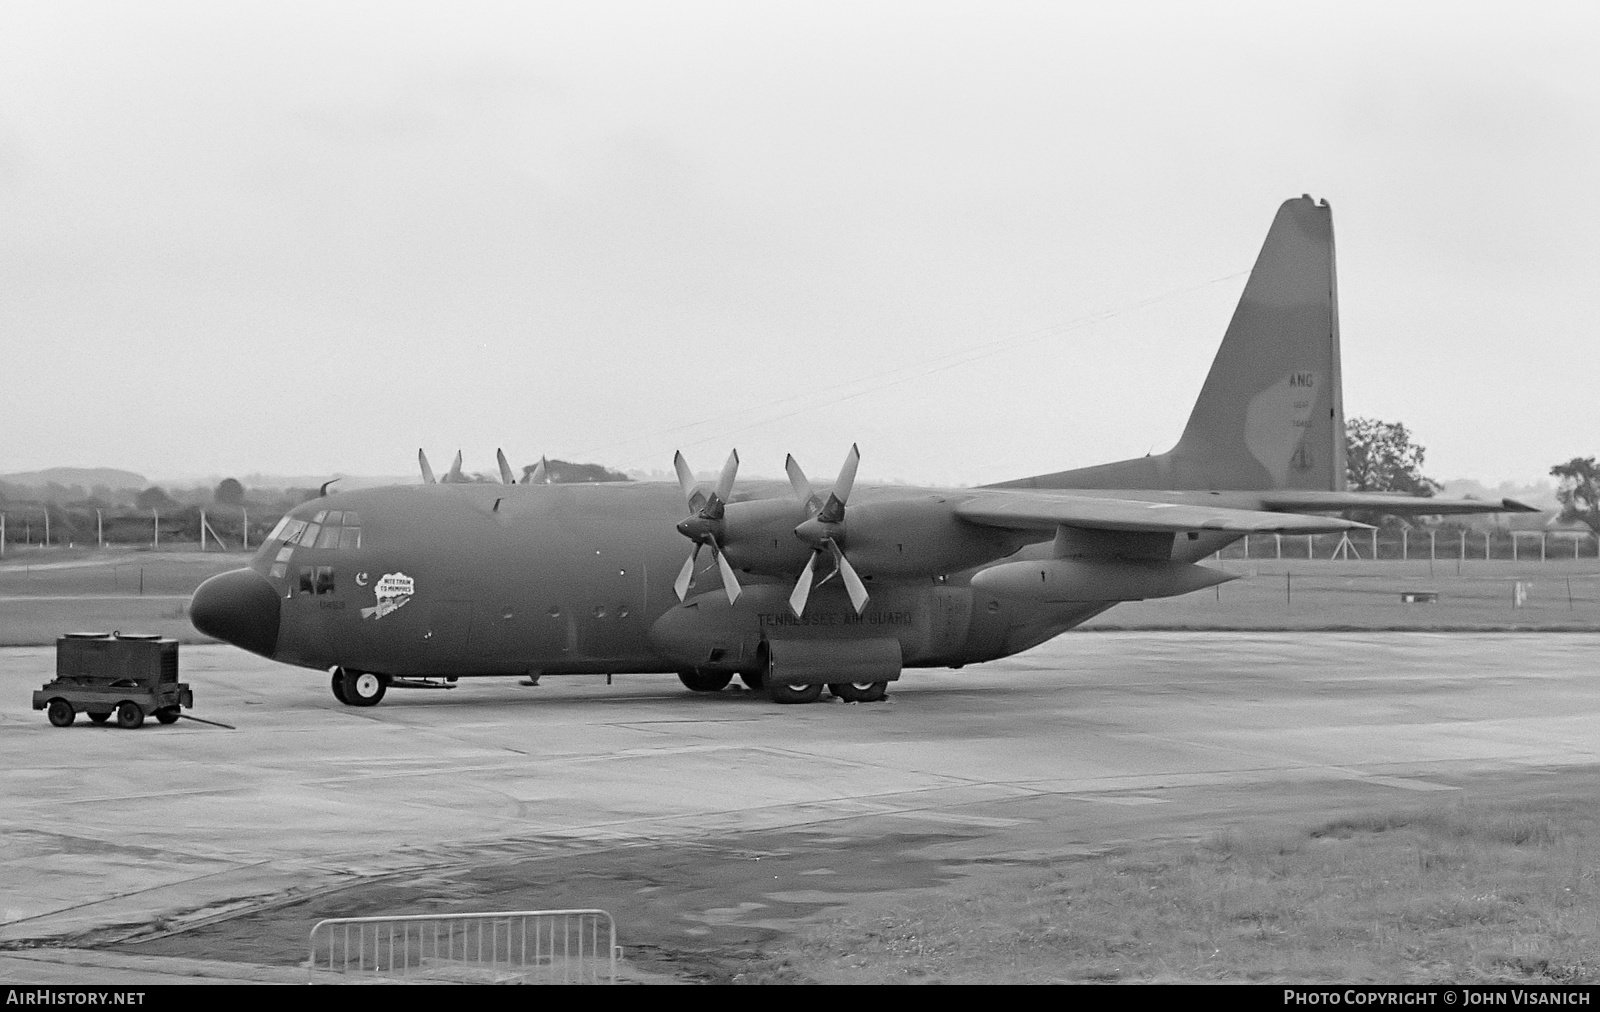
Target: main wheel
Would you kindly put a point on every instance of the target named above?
(363, 688)
(60, 712)
(129, 715)
(338, 686)
(781, 692)
(697, 681)
(99, 718)
(752, 680)
(167, 715)
(859, 692)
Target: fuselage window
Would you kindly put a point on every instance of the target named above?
(329, 537)
(278, 530)
(350, 537)
(308, 537)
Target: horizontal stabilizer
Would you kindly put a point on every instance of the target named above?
(1305, 501)
(1045, 511)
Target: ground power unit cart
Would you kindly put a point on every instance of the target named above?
(133, 676)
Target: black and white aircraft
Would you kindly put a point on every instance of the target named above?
(842, 585)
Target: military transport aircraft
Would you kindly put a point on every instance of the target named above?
(841, 586)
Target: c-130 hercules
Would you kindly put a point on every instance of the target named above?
(841, 587)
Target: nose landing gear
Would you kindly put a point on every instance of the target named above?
(358, 688)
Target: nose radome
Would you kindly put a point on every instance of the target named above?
(238, 607)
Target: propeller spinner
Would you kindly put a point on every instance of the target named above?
(705, 523)
(824, 532)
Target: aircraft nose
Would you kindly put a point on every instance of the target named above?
(238, 607)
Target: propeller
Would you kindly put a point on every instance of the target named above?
(455, 470)
(824, 532)
(427, 472)
(704, 523)
(505, 468)
(540, 475)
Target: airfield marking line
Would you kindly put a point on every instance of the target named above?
(95, 597)
(131, 893)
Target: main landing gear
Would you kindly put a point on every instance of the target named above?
(781, 692)
(358, 688)
(697, 681)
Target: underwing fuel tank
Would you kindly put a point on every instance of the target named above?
(1053, 581)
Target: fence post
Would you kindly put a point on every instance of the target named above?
(1308, 545)
(1405, 551)
(1544, 538)
(1277, 543)
(1374, 544)
(1486, 545)
(1514, 540)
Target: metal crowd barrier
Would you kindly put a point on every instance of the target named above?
(522, 946)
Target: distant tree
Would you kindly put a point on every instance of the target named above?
(154, 497)
(561, 472)
(1380, 457)
(229, 492)
(1579, 491)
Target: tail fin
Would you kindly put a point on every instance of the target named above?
(1271, 413)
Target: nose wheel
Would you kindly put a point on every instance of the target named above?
(359, 688)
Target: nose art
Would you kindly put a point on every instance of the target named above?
(239, 607)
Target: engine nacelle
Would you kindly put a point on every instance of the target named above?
(1064, 580)
(920, 536)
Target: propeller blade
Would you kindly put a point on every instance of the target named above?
(802, 588)
(540, 475)
(686, 574)
(455, 470)
(505, 469)
(798, 482)
(730, 582)
(852, 582)
(427, 472)
(725, 479)
(696, 500)
(847, 475)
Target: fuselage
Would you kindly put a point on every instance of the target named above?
(463, 579)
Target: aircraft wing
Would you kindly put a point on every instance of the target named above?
(1296, 500)
(1043, 511)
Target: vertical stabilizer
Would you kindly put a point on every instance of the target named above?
(1271, 412)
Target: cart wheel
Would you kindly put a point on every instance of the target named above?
(129, 715)
(99, 718)
(60, 712)
(167, 715)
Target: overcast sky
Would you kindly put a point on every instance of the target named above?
(983, 240)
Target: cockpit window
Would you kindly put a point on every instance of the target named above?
(329, 529)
